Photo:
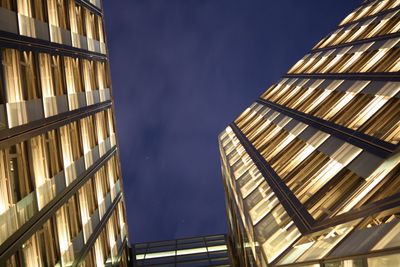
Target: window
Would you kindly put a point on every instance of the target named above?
(28, 75)
(73, 75)
(87, 198)
(112, 171)
(101, 128)
(20, 75)
(56, 68)
(79, 11)
(89, 75)
(6, 196)
(385, 123)
(324, 202)
(30, 253)
(71, 143)
(32, 8)
(100, 29)
(89, 135)
(102, 186)
(110, 122)
(20, 178)
(46, 156)
(14, 260)
(58, 15)
(49, 244)
(64, 235)
(90, 24)
(101, 74)
(385, 260)
(51, 75)
(74, 216)
(8, 4)
(276, 232)
(352, 114)
(388, 187)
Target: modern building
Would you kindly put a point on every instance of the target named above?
(61, 199)
(312, 168)
(186, 252)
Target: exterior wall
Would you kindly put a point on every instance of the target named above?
(312, 168)
(61, 199)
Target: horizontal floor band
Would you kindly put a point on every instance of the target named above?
(371, 144)
(18, 134)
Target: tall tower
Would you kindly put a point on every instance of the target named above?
(61, 202)
(312, 168)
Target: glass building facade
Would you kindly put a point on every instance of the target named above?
(312, 168)
(61, 199)
(185, 252)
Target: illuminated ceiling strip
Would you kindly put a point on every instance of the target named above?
(180, 252)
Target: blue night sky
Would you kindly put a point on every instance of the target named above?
(182, 70)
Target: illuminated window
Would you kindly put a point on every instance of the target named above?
(102, 80)
(20, 73)
(89, 75)
(89, 135)
(32, 8)
(385, 123)
(51, 75)
(57, 11)
(8, 4)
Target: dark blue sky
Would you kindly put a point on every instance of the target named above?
(182, 70)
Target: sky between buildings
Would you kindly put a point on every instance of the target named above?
(182, 70)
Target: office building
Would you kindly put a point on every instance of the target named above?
(61, 199)
(312, 168)
(195, 252)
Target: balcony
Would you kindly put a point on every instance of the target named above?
(104, 146)
(115, 189)
(74, 170)
(55, 105)
(18, 214)
(113, 140)
(104, 205)
(92, 97)
(3, 123)
(90, 43)
(104, 94)
(79, 41)
(60, 35)
(103, 49)
(24, 112)
(91, 224)
(77, 100)
(96, 46)
(97, 3)
(92, 156)
(47, 191)
(33, 28)
(97, 215)
(8, 21)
